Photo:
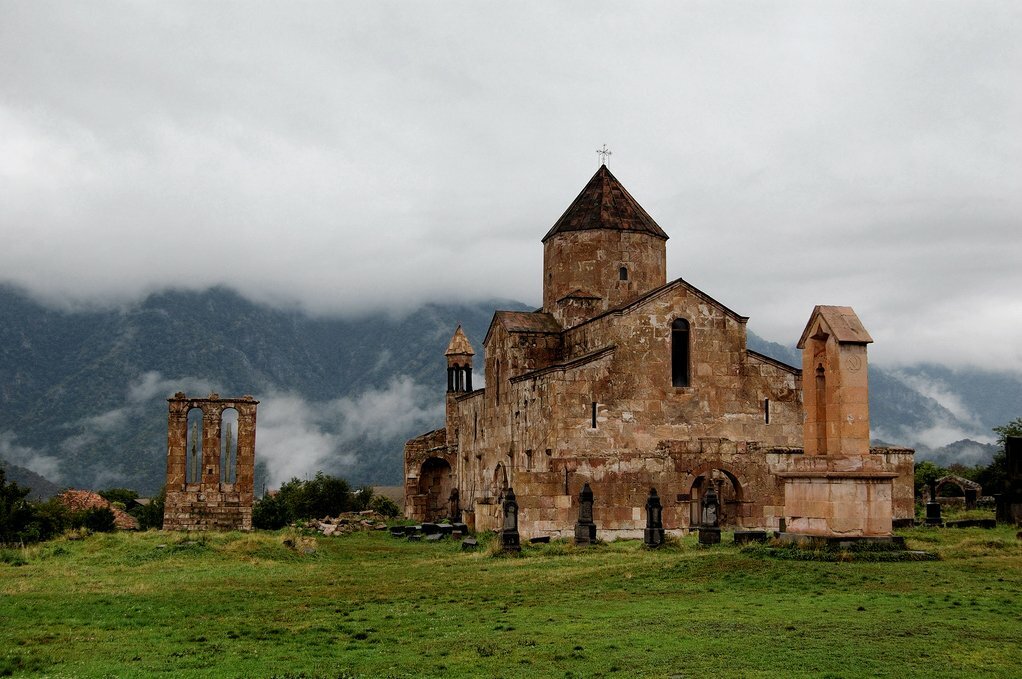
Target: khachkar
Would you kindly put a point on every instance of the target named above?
(837, 489)
(210, 469)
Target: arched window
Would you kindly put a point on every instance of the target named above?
(680, 374)
(821, 410)
(623, 273)
(193, 447)
(229, 446)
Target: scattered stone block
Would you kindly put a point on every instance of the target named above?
(434, 537)
(542, 540)
(469, 543)
(743, 537)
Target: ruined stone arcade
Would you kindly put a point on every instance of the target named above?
(210, 467)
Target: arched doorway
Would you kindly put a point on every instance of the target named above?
(436, 481)
(730, 495)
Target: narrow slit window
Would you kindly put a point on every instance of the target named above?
(623, 273)
(594, 415)
(680, 374)
(766, 411)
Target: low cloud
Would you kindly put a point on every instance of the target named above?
(46, 466)
(138, 397)
(942, 393)
(297, 438)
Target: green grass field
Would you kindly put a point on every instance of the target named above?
(237, 605)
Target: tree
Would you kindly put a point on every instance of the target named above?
(15, 511)
(926, 472)
(1013, 428)
(319, 497)
(994, 478)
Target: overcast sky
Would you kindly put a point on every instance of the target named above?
(348, 156)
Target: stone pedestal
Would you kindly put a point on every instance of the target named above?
(933, 514)
(709, 535)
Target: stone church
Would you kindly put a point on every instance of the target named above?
(627, 381)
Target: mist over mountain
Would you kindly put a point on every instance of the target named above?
(83, 393)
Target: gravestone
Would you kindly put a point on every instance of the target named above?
(933, 507)
(585, 529)
(711, 509)
(1009, 503)
(709, 532)
(509, 538)
(653, 536)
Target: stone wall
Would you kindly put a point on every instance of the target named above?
(591, 261)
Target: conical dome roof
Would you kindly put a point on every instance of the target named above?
(459, 345)
(605, 204)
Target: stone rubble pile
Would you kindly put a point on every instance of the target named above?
(349, 522)
(81, 500)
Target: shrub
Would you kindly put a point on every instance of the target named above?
(122, 495)
(321, 496)
(151, 515)
(385, 506)
(99, 520)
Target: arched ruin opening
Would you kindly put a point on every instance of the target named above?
(193, 447)
(436, 481)
(229, 446)
(730, 495)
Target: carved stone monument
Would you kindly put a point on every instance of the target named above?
(585, 528)
(837, 489)
(510, 541)
(653, 536)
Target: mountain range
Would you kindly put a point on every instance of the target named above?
(83, 392)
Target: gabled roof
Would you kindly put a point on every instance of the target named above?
(605, 204)
(579, 293)
(459, 345)
(840, 321)
(524, 321)
(656, 292)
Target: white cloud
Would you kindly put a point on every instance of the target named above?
(46, 466)
(297, 438)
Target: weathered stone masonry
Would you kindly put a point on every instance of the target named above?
(204, 496)
(625, 381)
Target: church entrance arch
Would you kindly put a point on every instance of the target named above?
(730, 494)
(436, 481)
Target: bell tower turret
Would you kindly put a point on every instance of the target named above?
(459, 363)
